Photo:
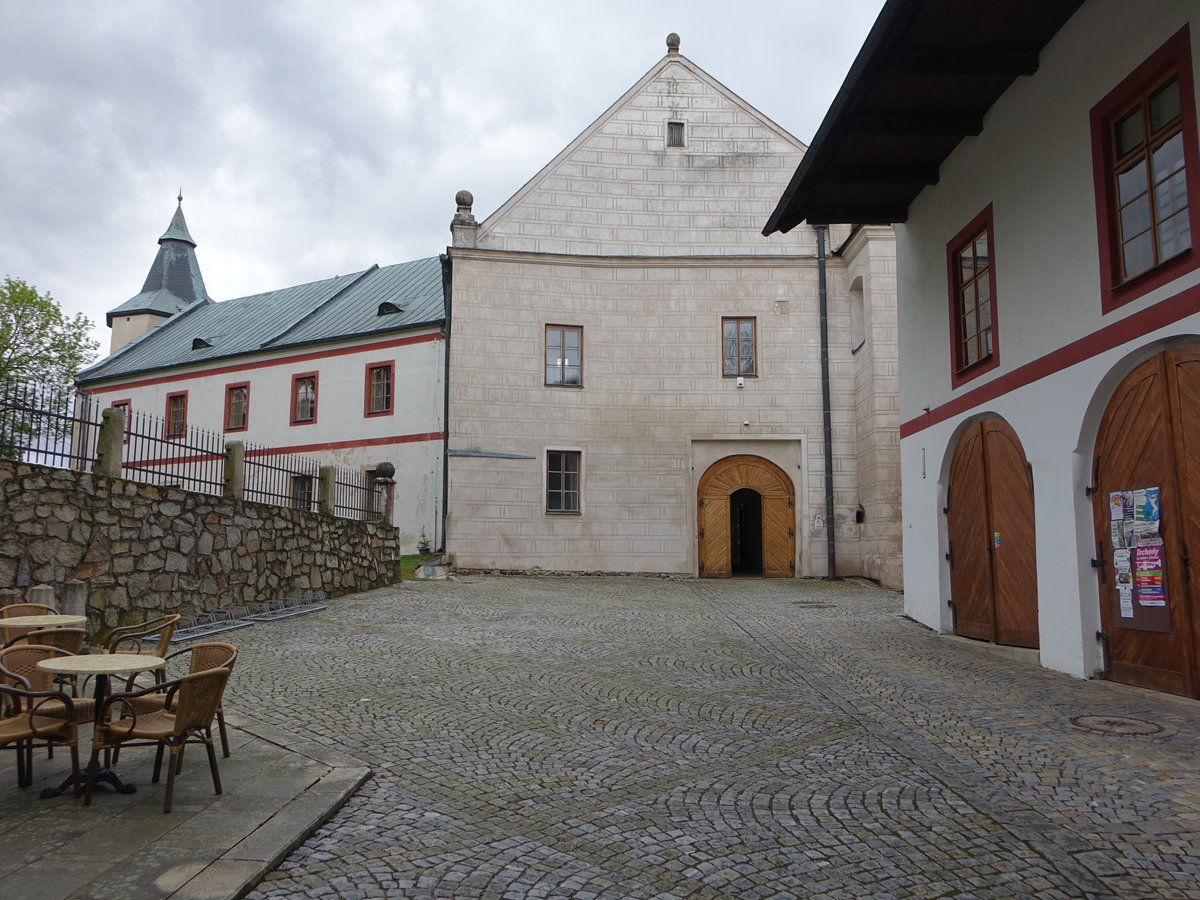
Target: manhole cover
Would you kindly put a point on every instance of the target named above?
(1116, 725)
(813, 604)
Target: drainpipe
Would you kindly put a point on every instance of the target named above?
(447, 285)
(823, 294)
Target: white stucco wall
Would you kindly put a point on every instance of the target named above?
(341, 435)
(1033, 164)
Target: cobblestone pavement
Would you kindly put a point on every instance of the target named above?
(670, 738)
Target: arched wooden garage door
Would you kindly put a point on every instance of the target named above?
(717, 485)
(1150, 439)
(993, 556)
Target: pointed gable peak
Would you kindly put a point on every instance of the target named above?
(178, 230)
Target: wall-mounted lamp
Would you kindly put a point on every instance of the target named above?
(741, 382)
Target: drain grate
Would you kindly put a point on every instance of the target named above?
(1119, 725)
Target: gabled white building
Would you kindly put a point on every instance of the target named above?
(1044, 161)
(348, 371)
(636, 373)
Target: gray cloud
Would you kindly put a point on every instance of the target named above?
(313, 138)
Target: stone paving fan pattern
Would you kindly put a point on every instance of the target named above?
(670, 738)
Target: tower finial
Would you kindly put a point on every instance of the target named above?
(672, 44)
(180, 197)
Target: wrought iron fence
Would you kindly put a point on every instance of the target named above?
(158, 452)
(48, 426)
(284, 479)
(355, 495)
(60, 428)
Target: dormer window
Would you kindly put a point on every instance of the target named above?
(675, 134)
(387, 308)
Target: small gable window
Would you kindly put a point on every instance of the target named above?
(675, 134)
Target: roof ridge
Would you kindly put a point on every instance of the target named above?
(374, 267)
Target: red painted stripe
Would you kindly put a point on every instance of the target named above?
(267, 363)
(1185, 303)
(348, 445)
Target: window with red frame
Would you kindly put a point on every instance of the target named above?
(379, 389)
(304, 398)
(972, 279)
(237, 406)
(176, 419)
(1147, 174)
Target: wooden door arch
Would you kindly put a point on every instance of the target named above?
(993, 547)
(717, 485)
(1149, 437)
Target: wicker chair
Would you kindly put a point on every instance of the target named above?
(128, 638)
(13, 610)
(189, 706)
(211, 655)
(18, 668)
(27, 717)
(69, 639)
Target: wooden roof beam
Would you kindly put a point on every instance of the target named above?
(884, 174)
(947, 125)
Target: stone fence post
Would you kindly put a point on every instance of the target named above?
(110, 441)
(327, 490)
(235, 470)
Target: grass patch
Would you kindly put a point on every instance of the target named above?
(411, 563)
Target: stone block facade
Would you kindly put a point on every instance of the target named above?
(143, 550)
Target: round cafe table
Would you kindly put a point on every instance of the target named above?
(49, 620)
(101, 665)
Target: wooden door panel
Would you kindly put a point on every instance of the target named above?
(967, 527)
(1185, 405)
(714, 537)
(1136, 448)
(779, 537)
(1014, 547)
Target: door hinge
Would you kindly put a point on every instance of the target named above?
(791, 503)
(950, 554)
(700, 533)
(792, 566)
(791, 532)
(1100, 563)
(701, 503)
(1095, 485)
(1187, 564)
(701, 567)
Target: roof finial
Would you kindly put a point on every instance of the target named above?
(672, 44)
(180, 197)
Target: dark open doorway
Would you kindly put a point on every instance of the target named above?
(745, 532)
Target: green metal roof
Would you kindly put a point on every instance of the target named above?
(174, 281)
(335, 309)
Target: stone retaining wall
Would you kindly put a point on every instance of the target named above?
(143, 549)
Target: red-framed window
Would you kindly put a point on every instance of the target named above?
(175, 420)
(127, 407)
(304, 398)
(1146, 168)
(971, 277)
(379, 389)
(563, 471)
(237, 406)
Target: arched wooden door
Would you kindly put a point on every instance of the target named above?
(993, 552)
(1150, 439)
(717, 485)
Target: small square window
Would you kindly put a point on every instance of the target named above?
(562, 481)
(176, 421)
(564, 355)
(237, 406)
(738, 346)
(304, 398)
(380, 382)
(302, 492)
(675, 134)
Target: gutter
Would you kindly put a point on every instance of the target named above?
(826, 412)
(447, 282)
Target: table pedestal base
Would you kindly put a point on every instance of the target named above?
(104, 775)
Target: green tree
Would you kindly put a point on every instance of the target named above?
(39, 344)
(41, 349)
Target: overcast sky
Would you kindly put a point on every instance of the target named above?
(313, 138)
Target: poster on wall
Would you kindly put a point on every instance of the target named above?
(1135, 531)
